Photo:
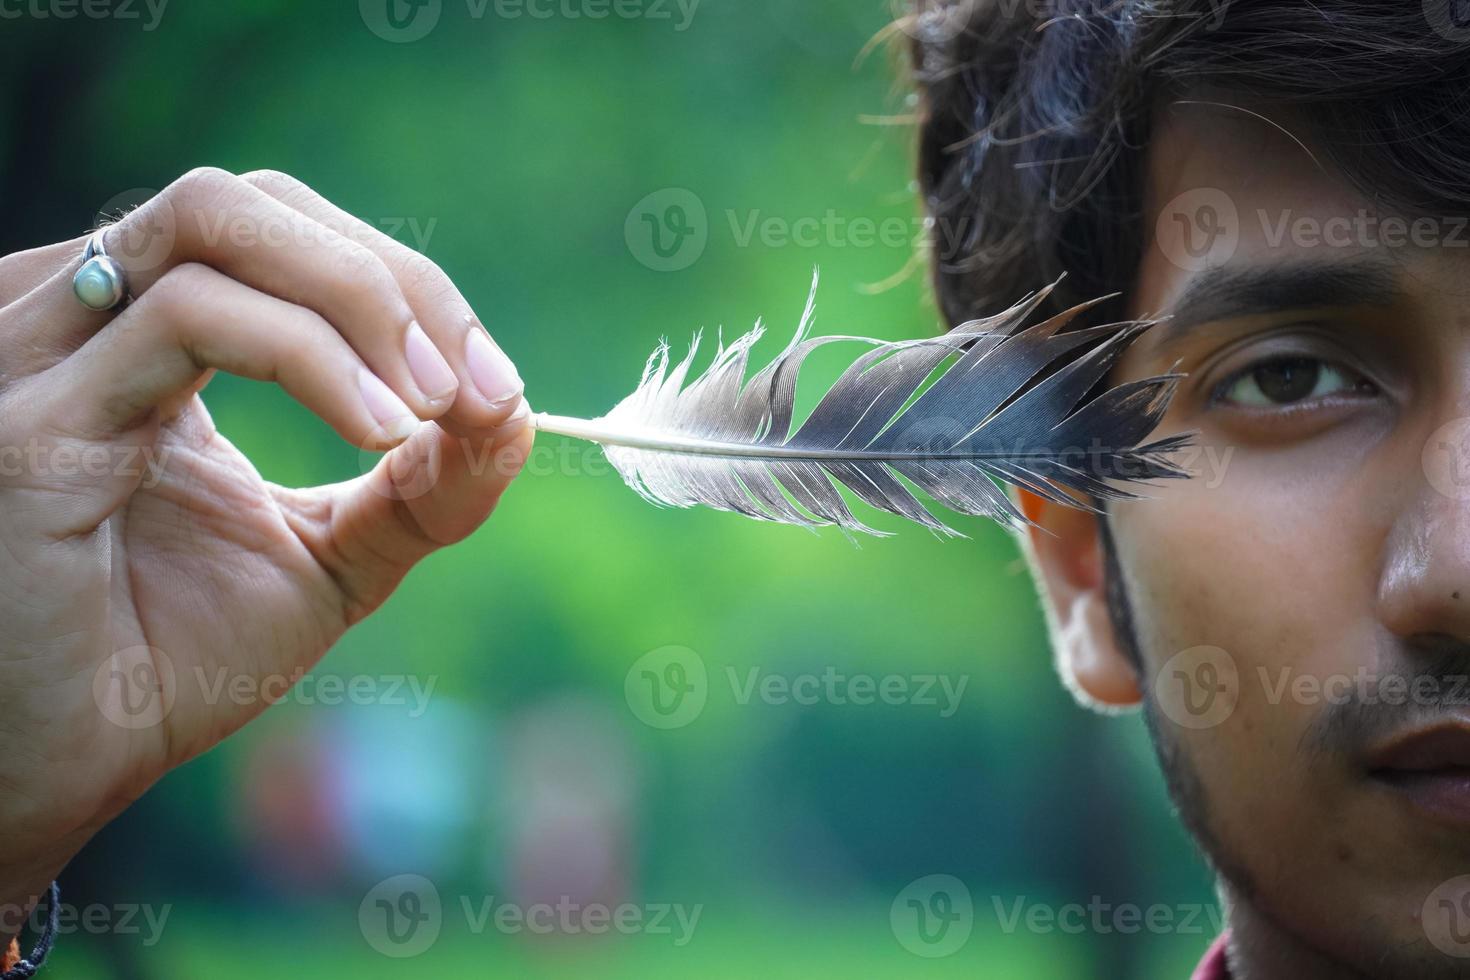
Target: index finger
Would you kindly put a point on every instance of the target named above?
(490, 387)
(21, 272)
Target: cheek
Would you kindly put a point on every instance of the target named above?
(1257, 562)
(1266, 573)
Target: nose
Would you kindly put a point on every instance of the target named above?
(1424, 591)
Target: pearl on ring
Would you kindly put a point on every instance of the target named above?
(100, 283)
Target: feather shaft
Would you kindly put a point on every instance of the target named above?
(594, 430)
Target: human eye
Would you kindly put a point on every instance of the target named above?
(1291, 381)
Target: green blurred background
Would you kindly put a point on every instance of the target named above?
(533, 152)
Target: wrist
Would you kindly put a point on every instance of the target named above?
(42, 849)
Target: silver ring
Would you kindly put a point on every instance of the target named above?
(101, 283)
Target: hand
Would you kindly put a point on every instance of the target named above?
(141, 548)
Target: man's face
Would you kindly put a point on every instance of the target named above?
(1323, 549)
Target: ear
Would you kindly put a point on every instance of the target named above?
(1064, 550)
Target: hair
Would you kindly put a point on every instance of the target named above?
(1035, 117)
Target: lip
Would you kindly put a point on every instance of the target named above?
(1430, 769)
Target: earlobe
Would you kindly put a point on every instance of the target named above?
(1064, 550)
(1090, 659)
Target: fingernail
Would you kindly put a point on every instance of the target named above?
(491, 370)
(431, 372)
(395, 418)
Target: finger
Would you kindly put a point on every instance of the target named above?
(430, 492)
(21, 272)
(490, 387)
(193, 320)
(216, 219)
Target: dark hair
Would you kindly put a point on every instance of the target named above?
(1035, 119)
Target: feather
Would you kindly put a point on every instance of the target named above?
(1010, 406)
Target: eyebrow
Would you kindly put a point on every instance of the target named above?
(1225, 293)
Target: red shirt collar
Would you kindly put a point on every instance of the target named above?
(1214, 966)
